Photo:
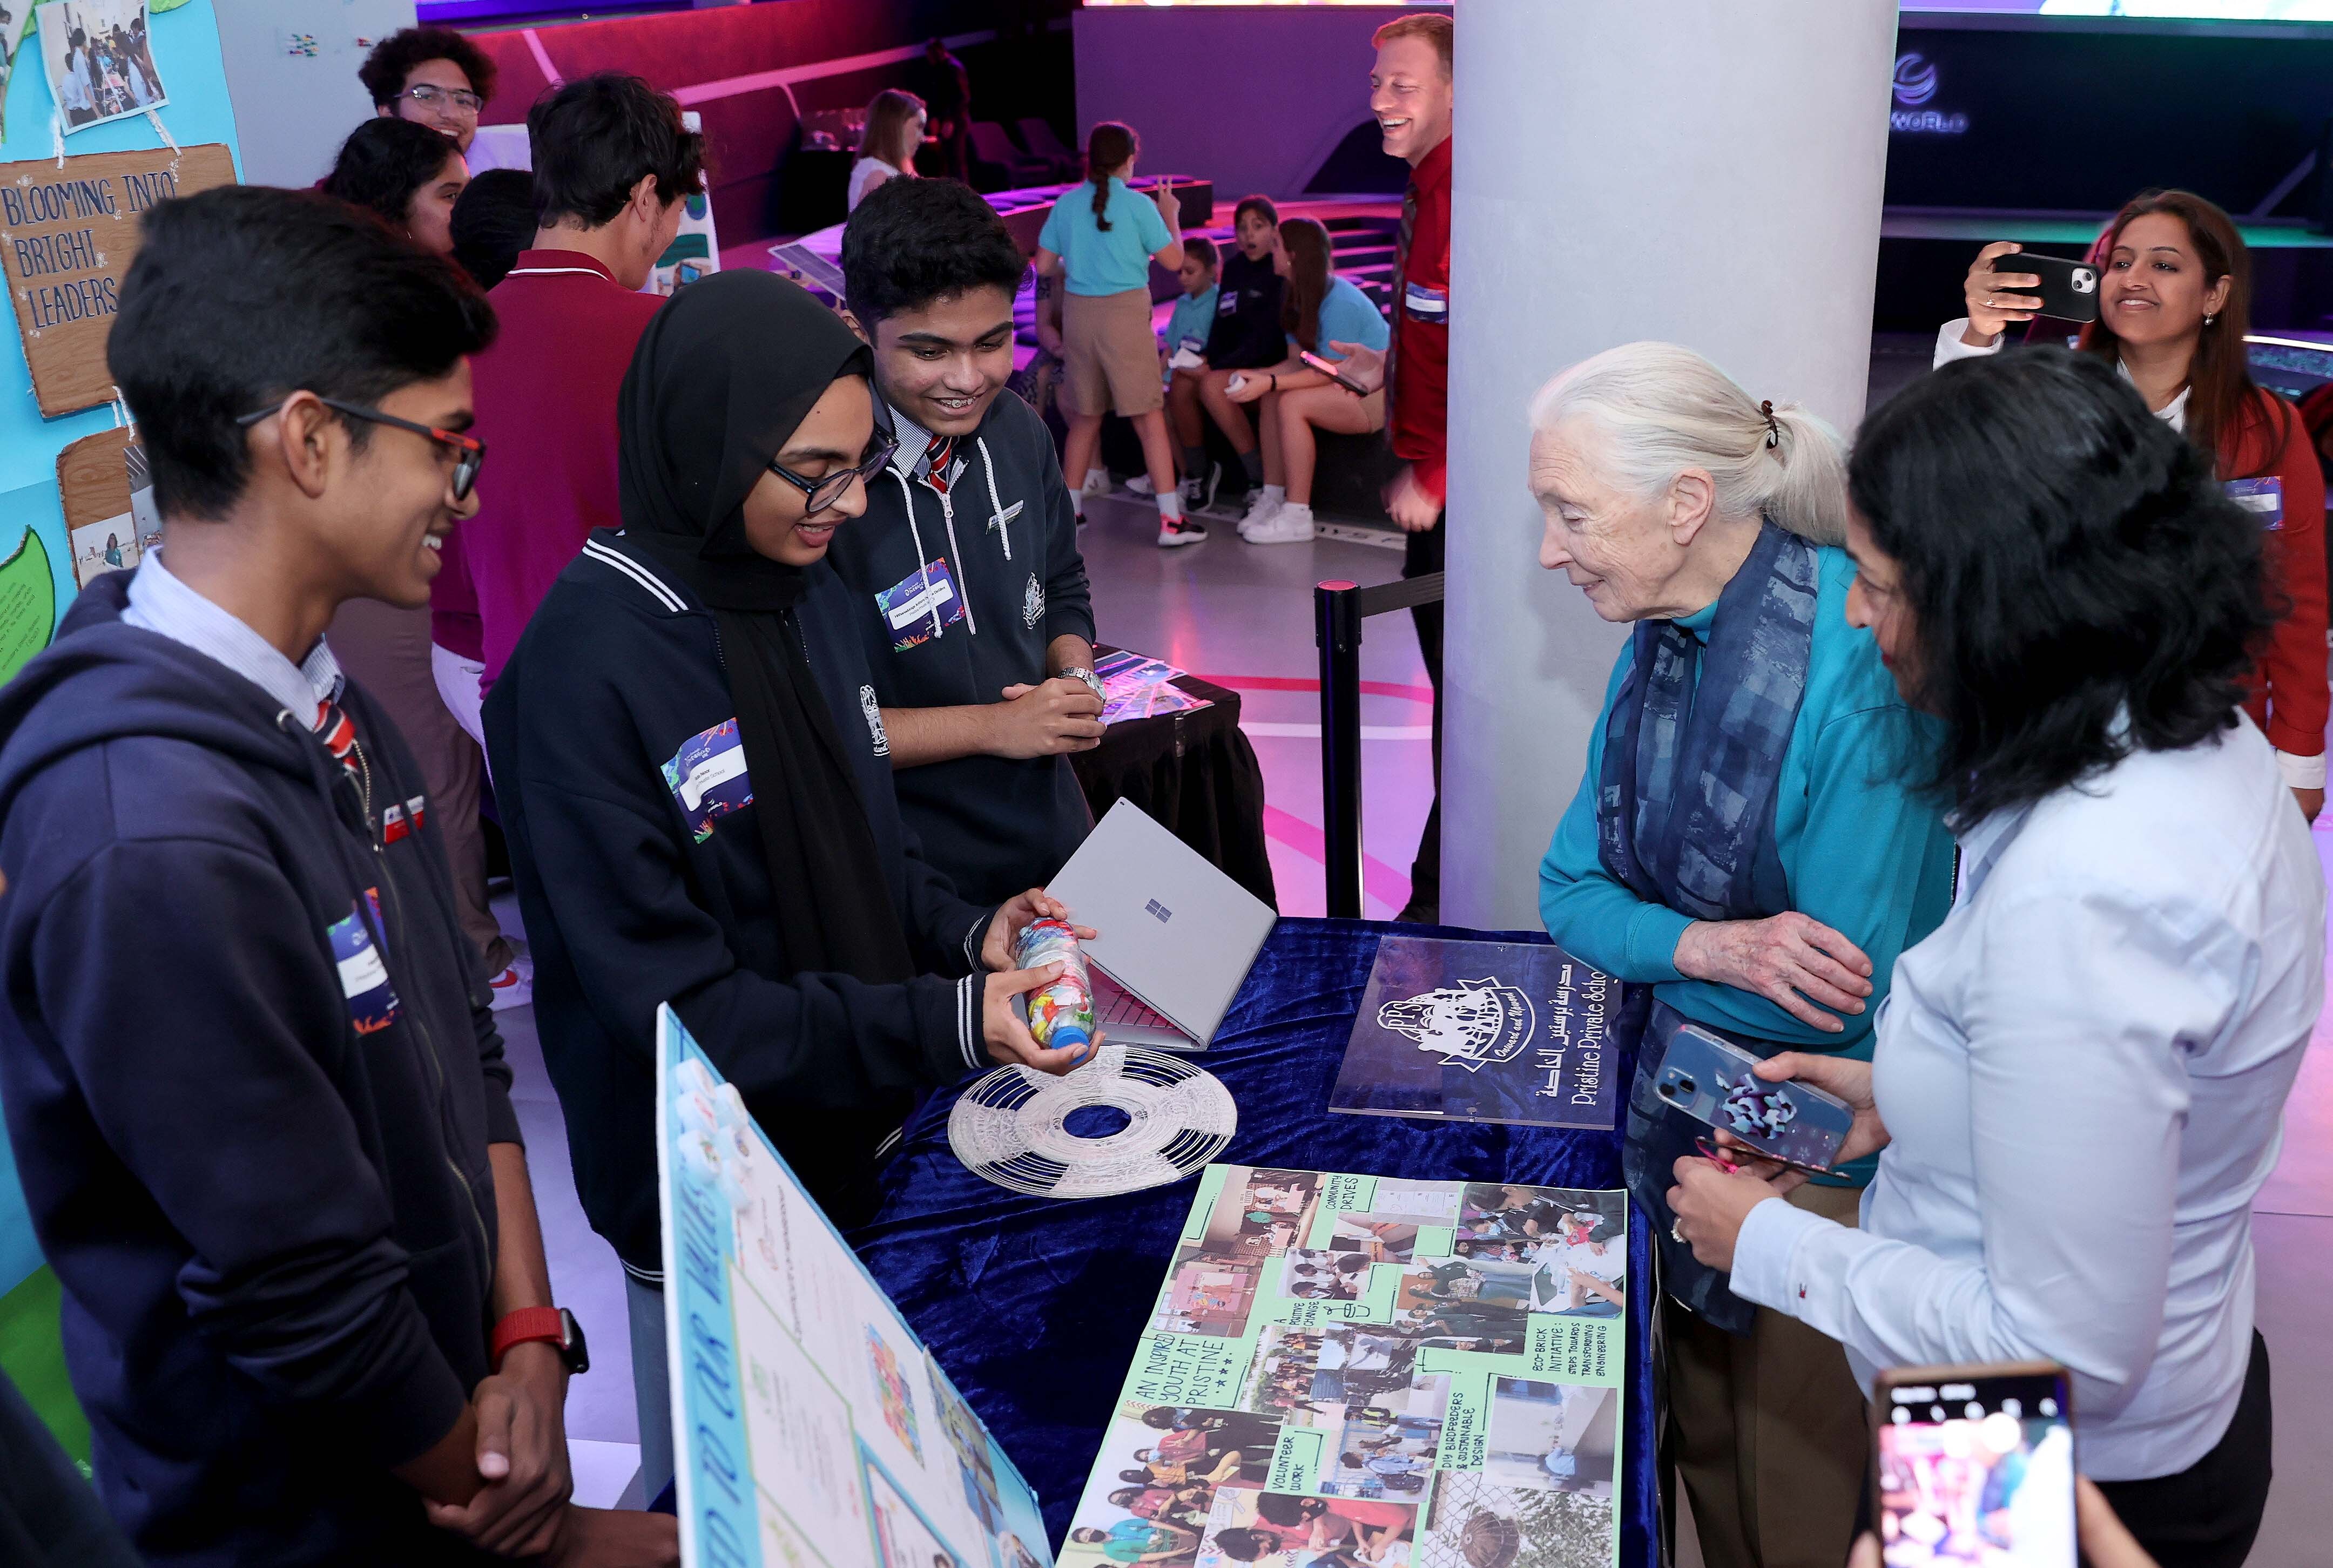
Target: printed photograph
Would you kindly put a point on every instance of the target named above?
(1284, 1381)
(1562, 1437)
(1208, 1291)
(1280, 1530)
(1164, 1470)
(1262, 1213)
(1325, 1275)
(1480, 1523)
(1385, 1446)
(1488, 1211)
(98, 65)
(969, 1443)
(109, 545)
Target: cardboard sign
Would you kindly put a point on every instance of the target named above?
(93, 484)
(67, 236)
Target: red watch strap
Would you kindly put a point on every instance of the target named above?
(525, 1326)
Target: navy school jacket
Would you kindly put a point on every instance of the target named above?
(255, 1157)
(1007, 538)
(638, 889)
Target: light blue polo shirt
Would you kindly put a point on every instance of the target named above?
(1346, 316)
(1094, 262)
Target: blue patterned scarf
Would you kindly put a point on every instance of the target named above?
(1684, 800)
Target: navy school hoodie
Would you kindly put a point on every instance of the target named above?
(622, 786)
(1007, 538)
(255, 1157)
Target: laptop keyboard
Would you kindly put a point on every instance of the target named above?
(1114, 1004)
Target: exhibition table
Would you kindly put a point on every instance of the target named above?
(1034, 1306)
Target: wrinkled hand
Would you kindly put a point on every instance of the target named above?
(2312, 802)
(1410, 504)
(1007, 1037)
(1992, 302)
(1711, 1205)
(1787, 958)
(1012, 915)
(1058, 715)
(1840, 1077)
(1362, 366)
(615, 1539)
(522, 1455)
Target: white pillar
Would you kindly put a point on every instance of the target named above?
(1707, 172)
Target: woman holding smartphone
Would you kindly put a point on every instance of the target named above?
(2080, 1078)
(2174, 303)
(1317, 309)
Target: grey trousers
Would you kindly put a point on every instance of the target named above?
(651, 1386)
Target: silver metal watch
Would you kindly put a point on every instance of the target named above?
(1092, 681)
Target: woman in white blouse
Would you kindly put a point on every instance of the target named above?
(887, 148)
(2080, 1078)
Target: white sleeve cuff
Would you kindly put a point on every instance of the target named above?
(1764, 1252)
(968, 1035)
(2301, 772)
(972, 942)
(1950, 347)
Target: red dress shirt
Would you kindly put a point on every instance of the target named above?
(1420, 418)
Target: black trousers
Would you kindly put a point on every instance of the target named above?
(1421, 555)
(2207, 1515)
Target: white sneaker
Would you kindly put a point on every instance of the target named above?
(1260, 512)
(1140, 486)
(1181, 531)
(1097, 483)
(1291, 525)
(514, 987)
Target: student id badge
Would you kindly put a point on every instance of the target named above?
(920, 606)
(1228, 303)
(364, 975)
(2263, 498)
(1425, 302)
(707, 778)
(1192, 343)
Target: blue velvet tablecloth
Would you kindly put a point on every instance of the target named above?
(1033, 1305)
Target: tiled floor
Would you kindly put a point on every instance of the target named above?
(1241, 614)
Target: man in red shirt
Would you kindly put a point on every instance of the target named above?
(1410, 93)
(612, 163)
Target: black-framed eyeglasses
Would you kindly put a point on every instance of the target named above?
(458, 98)
(469, 452)
(823, 492)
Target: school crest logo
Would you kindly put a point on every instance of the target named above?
(874, 711)
(1032, 602)
(1470, 1024)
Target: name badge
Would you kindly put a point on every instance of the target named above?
(920, 606)
(397, 821)
(1227, 305)
(707, 778)
(2263, 498)
(1426, 303)
(364, 977)
(1193, 343)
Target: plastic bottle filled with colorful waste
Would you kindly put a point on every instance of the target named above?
(1061, 1015)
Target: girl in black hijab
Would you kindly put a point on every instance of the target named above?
(692, 775)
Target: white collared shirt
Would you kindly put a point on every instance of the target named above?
(161, 604)
(2084, 1069)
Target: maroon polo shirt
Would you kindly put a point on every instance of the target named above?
(545, 396)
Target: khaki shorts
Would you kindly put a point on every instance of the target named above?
(1109, 356)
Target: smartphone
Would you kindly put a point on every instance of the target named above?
(1710, 1078)
(1974, 1464)
(1329, 368)
(2070, 288)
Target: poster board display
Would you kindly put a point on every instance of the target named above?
(1345, 1371)
(810, 1425)
(67, 237)
(1482, 1031)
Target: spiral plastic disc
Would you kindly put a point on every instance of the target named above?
(1011, 1127)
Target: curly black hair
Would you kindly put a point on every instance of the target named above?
(392, 60)
(2068, 560)
(913, 240)
(383, 162)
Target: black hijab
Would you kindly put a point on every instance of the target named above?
(723, 376)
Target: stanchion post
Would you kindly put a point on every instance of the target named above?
(1336, 625)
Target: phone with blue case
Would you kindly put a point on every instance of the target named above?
(1710, 1078)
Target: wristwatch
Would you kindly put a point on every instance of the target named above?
(553, 1325)
(1092, 681)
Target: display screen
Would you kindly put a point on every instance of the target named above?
(2144, 10)
(1978, 1472)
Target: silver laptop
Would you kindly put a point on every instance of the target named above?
(1178, 935)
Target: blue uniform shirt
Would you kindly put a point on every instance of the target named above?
(1346, 316)
(1094, 262)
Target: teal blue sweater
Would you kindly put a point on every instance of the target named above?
(1864, 853)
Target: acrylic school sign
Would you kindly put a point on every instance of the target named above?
(67, 236)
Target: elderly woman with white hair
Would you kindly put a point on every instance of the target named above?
(1749, 841)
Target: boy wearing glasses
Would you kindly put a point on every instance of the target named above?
(978, 621)
(255, 1091)
(432, 76)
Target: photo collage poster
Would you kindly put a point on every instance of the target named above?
(811, 1427)
(1356, 1372)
